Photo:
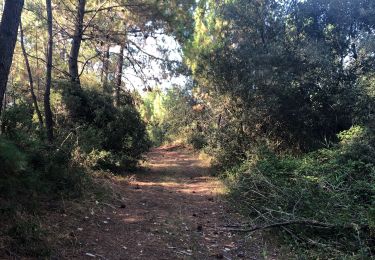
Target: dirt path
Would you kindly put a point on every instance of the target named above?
(171, 210)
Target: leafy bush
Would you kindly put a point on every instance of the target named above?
(197, 140)
(32, 169)
(28, 238)
(109, 137)
(174, 116)
(17, 119)
(12, 159)
(157, 133)
(226, 146)
(153, 112)
(325, 198)
(90, 133)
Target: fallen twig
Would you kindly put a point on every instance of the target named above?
(287, 223)
(108, 205)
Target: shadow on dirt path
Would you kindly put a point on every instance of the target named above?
(172, 209)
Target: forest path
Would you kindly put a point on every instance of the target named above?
(172, 209)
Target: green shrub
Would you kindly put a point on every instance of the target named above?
(17, 119)
(334, 186)
(109, 137)
(197, 140)
(28, 238)
(62, 177)
(30, 169)
(157, 133)
(226, 146)
(13, 161)
(174, 115)
(90, 133)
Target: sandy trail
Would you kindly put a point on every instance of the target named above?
(170, 210)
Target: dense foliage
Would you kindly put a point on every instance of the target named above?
(173, 116)
(91, 134)
(324, 199)
(290, 70)
(66, 111)
(280, 93)
(282, 82)
(109, 136)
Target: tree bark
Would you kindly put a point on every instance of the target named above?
(2, 127)
(76, 44)
(37, 64)
(120, 66)
(8, 36)
(47, 103)
(31, 81)
(105, 69)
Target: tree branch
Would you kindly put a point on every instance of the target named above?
(286, 223)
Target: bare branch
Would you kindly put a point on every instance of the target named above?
(54, 67)
(87, 61)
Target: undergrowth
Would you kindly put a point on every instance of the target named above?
(36, 176)
(323, 203)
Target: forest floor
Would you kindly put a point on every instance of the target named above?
(171, 209)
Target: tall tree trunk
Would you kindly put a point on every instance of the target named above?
(120, 65)
(37, 64)
(105, 69)
(2, 127)
(8, 37)
(31, 81)
(76, 43)
(47, 103)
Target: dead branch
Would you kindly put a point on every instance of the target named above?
(286, 223)
(307, 222)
